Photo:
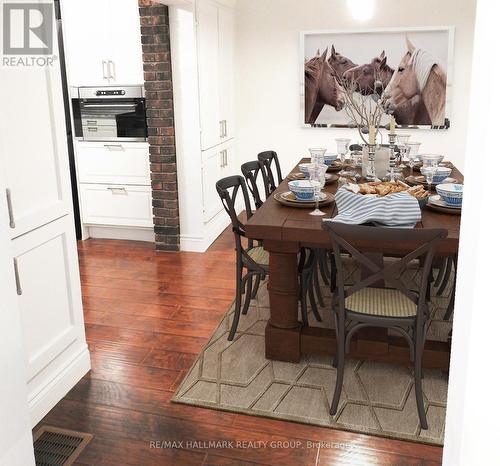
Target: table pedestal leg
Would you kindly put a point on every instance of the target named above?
(283, 328)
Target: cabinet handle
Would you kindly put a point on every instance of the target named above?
(114, 147)
(225, 128)
(221, 155)
(225, 157)
(111, 66)
(12, 223)
(105, 67)
(221, 129)
(114, 190)
(18, 281)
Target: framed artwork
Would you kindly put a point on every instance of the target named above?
(412, 65)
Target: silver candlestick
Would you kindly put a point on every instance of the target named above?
(370, 169)
(392, 160)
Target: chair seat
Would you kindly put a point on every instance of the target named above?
(383, 302)
(259, 255)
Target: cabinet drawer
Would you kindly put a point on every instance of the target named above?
(113, 163)
(116, 205)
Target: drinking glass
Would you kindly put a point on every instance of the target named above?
(402, 140)
(412, 157)
(317, 174)
(342, 150)
(430, 163)
(414, 148)
(317, 155)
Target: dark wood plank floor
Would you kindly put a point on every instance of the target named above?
(147, 315)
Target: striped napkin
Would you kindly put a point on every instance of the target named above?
(396, 210)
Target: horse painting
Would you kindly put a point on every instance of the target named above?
(364, 76)
(418, 89)
(321, 87)
(340, 64)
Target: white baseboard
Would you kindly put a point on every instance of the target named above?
(54, 389)
(200, 243)
(130, 233)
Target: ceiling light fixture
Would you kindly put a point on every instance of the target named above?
(361, 10)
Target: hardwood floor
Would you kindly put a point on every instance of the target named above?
(147, 316)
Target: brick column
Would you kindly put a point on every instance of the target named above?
(160, 118)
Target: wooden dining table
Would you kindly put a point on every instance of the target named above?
(284, 231)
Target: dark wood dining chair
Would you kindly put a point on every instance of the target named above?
(253, 172)
(394, 306)
(252, 258)
(272, 170)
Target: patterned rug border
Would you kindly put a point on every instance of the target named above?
(281, 417)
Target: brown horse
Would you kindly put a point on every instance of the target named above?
(340, 64)
(364, 76)
(418, 90)
(321, 87)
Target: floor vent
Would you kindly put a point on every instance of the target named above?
(58, 447)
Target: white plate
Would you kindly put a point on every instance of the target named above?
(322, 197)
(436, 200)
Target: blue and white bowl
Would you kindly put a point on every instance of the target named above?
(303, 189)
(441, 174)
(304, 168)
(451, 193)
(330, 158)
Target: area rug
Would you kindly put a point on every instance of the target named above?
(377, 398)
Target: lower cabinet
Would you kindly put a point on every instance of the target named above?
(116, 205)
(48, 288)
(217, 163)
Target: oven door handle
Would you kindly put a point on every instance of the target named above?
(108, 105)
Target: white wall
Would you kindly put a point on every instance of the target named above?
(268, 71)
(472, 427)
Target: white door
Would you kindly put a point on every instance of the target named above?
(212, 171)
(34, 147)
(125, 42)
(226, 50)
(16, 442)
(208, 69)
(86, 38)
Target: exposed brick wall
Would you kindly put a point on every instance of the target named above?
(160, 117)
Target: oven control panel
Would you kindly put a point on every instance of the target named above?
(117, 92)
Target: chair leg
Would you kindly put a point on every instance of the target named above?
(323, 265)
(304, 282)
(312, 299)
(317, 286)
(440, 275)
(419, 346)
(446, 277)
(248, 293)
(237, 304)
(451, 304)
(340, 360)
(256, 286)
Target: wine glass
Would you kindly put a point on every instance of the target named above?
(317, 155)
(342, 150)
(402, 140)
(430, 163)
(317, 174)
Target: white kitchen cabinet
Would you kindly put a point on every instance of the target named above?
(34, 158)
(215, 37)
(217, 163)
(102, 42)
(113, 163)
(48, 285)
(37, 173)
(116, 205)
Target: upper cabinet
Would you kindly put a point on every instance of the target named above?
(102, 42)
(215, 66)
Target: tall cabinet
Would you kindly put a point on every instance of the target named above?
(202, 46)
(37, 193)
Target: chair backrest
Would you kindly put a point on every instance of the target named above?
(421, 241)
(252, 171)
(228, 189)
(268, 159)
